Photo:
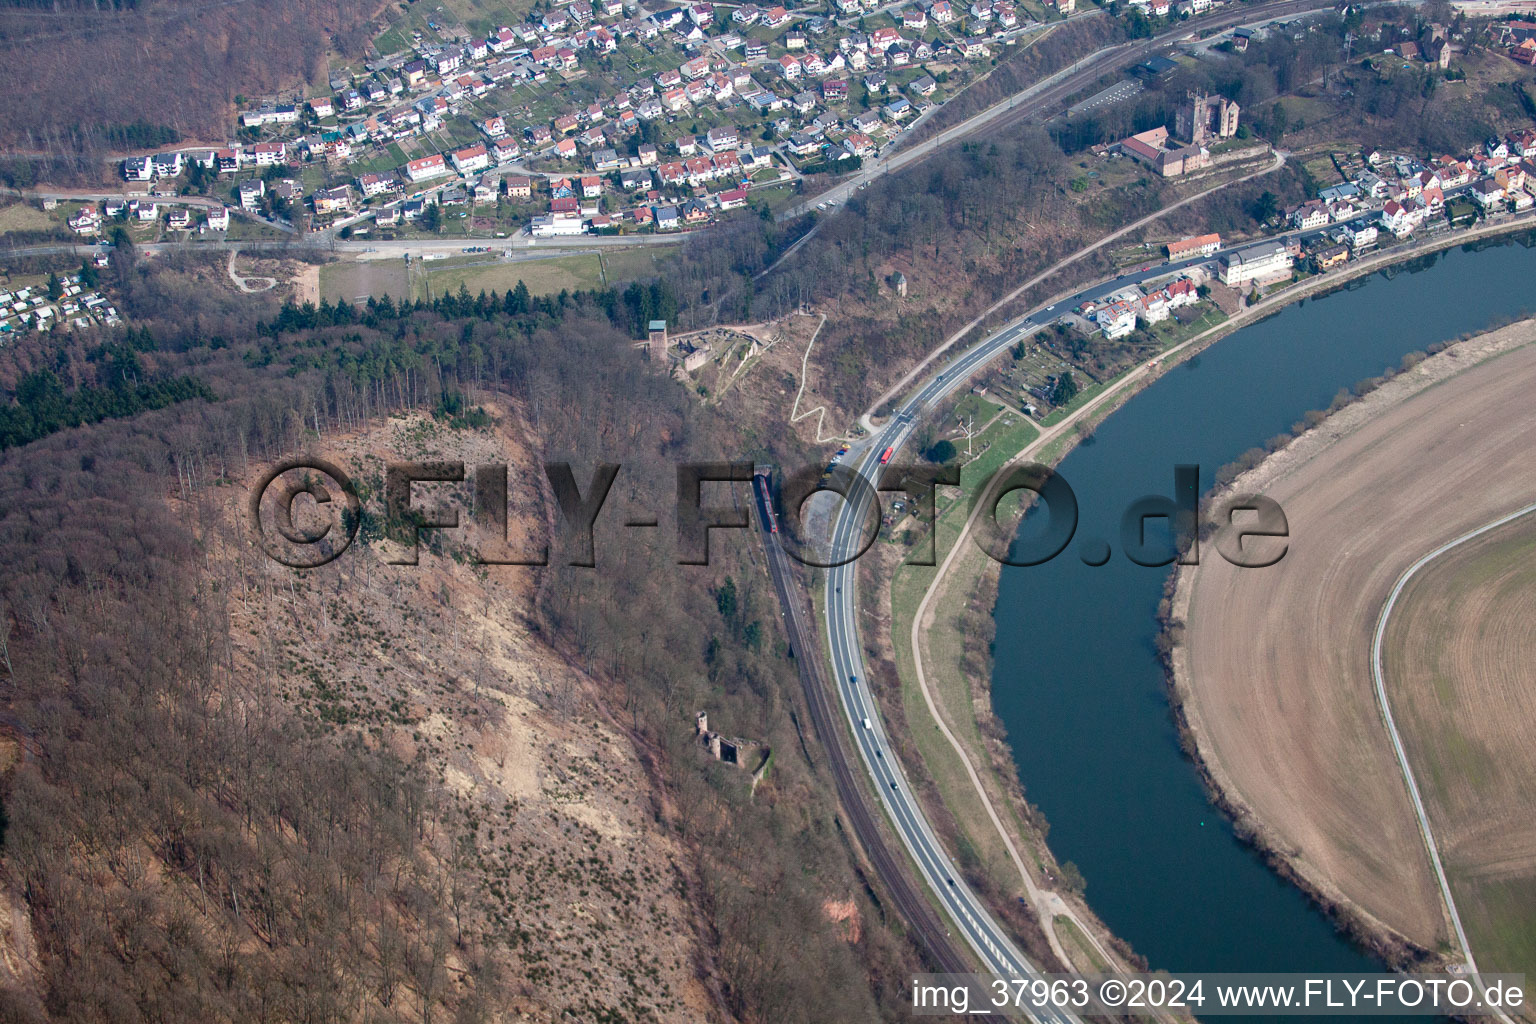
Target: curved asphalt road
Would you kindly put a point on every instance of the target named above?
(982, 933)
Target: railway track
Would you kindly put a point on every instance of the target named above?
(905, 893)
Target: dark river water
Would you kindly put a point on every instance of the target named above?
(1077, 681)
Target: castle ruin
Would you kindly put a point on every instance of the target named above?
(1205, 119)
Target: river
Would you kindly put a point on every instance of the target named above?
(1077, 681)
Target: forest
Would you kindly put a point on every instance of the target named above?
(87, 79)
(187, 859)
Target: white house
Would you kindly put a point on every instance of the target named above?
(1116, 320)
(1266, 259)
(471, 159)
(549, 227)
(1154, 307)
(1309, 215)
(1400, 219)
(426, 167)
(266, 154)
(1488, 193)
(1357, 236)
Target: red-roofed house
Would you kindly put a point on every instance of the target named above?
(1182, 292)
(1147, 145)
(1198, 245)
(727, 163)
(268, 153)
(471, 159)
(426, 167)
(860, 144)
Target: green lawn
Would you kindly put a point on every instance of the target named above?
(944, 651)
(542, 277)
(1170, 332)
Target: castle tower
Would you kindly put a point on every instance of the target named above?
(1204, 119)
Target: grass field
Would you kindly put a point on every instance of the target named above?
(24, 217)
(355, 281)
(1274, 671)
(943, 661)
(547, 277)
(1457, 657)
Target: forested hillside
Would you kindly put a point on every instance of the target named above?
(198, 834)
(86, 79)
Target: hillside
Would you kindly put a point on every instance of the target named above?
(551, 861)
(90, 79)
(494, 847)
(376, 791)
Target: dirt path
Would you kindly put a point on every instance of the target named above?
(1378, 680)
(307, 284)
(820, 411)
(249, 284)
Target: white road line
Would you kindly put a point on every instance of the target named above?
(1379, 680)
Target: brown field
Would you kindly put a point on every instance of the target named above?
(1456, 657)
(357, 281)
(1274, 667)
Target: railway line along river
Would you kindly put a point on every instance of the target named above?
(1077, 680)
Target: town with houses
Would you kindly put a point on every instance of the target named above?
(1383, 199)
(719, 106)
(715, 106)
(1387, 198)
(716, 102)
(70, 301)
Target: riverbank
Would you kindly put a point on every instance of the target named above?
(928, 626)
(1352, 843)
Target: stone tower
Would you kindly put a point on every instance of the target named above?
(1205, 119)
